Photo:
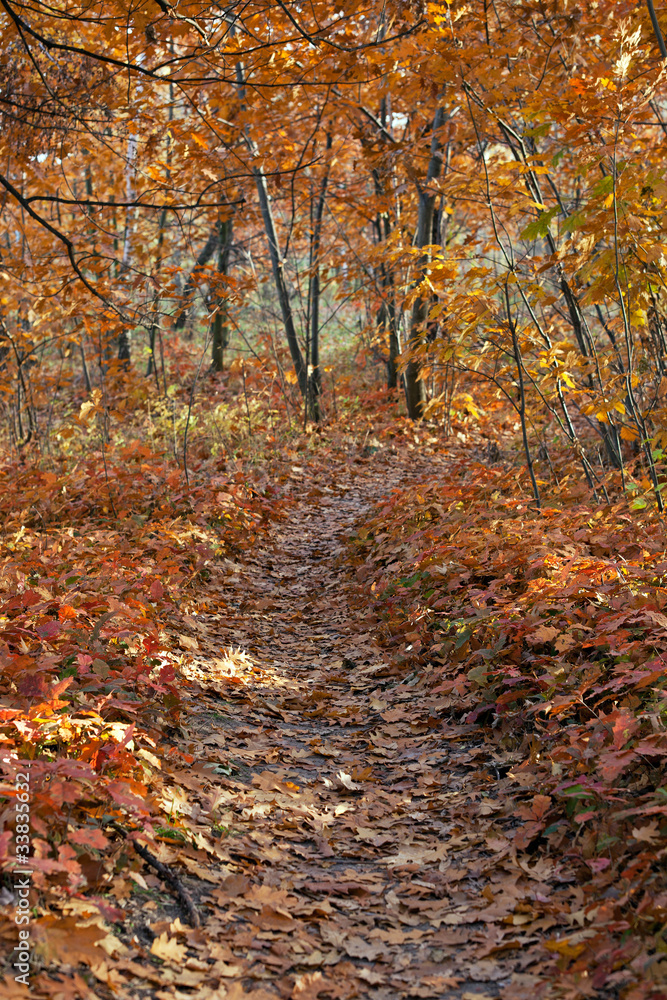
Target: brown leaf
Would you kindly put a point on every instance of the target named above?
(168, 949)
(66, 940)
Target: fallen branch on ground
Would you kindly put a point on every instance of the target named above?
(165, 873)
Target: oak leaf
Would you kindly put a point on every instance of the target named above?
(168, 949)
(542, 634)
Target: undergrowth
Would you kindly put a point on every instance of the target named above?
(546, 632)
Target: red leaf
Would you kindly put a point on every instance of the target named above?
(89, 837)
(48, 630)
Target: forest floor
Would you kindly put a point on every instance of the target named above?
(344, 694)
(365, 850)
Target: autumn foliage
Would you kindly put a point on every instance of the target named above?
(249, 250)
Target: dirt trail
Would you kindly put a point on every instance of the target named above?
(356, 859)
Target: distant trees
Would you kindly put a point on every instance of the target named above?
(477, 169)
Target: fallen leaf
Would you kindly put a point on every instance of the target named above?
(168, 949)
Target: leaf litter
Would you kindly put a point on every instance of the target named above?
(341, 831)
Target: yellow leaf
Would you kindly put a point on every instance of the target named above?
(168, 949)
(90, 406)
(607, 84)
(565, 948)
(187, 642)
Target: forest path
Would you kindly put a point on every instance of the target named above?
(356, 859)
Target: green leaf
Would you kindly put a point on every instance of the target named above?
(462, 638)
(604, 186)
(540, 226)
(479, 675)
(573, 222)
(578, 791)
(539, 130)
(171, 833)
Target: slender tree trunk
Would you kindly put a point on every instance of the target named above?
(84, 366)
(212, 244)
(277, 263)
(220, 332)
(314, 375)
(124, 350)
(386, 319)
(154, 333)
(520, 405)
(314, 372)
(277, 266)
(388, 279)
(151, 367)
(415, 391)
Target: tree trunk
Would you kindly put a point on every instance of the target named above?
(124, 349)
(387, 314)
(277, 266)
(386, 319)
(277, 263)
(154, 331)
(212, 244)
(220, 325)
(151, 366)
(314, 391)
(415, 390)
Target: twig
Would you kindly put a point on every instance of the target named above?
(333, 389)
(245, 396)
(190, 403)
(656, 29)
(165, 873)
(95, 634)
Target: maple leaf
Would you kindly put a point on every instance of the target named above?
(91, 837)
(542, 634)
